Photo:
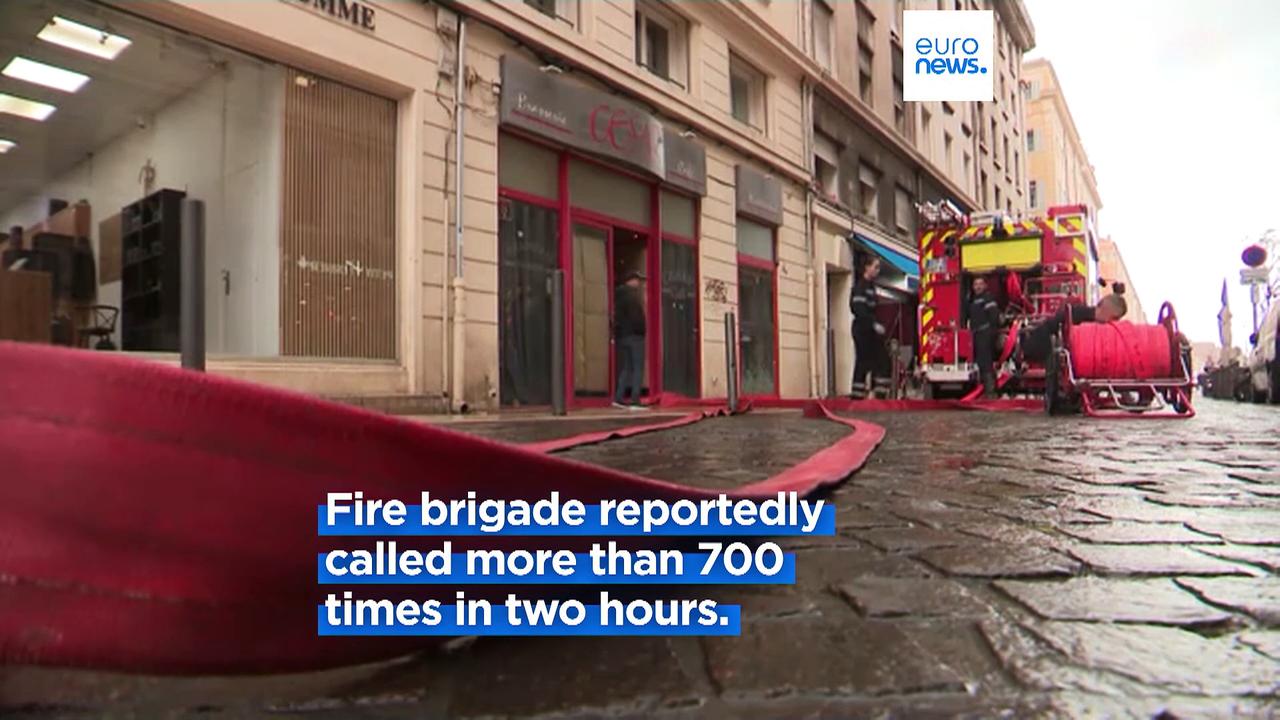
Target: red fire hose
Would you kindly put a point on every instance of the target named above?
(154, 520)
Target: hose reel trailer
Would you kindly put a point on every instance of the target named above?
(1121, 369)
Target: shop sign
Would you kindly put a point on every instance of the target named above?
(357, 14)
(686, 163)
(586, 119)
(759, 196)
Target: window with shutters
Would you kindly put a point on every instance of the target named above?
(826, 165)
(823, 20)
(746, 92)
(868, 187)
(662, 42)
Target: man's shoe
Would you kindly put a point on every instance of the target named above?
(637, 408)
(620, 406)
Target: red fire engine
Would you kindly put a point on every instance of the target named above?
(1033, 266)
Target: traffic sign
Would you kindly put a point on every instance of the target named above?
(1254, 276)
(1254, 256)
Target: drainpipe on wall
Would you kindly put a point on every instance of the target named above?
(810, 275)
(458, 389)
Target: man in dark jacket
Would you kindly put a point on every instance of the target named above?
(984, 322)
(1037, 343)
(628, 332)
(870, 356)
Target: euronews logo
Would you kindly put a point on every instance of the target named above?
(948, 55)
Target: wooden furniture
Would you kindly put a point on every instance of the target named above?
(151, 240)
(26, 306)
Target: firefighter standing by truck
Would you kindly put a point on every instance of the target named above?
(870, 356)
(984, 322)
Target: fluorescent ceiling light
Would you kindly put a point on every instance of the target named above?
(25, 108)
(47, 75)
(85, 39)
(7, 145)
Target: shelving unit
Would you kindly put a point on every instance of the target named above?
(151, 236)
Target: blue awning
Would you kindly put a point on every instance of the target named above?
(901, 262)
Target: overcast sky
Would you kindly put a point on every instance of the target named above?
(1178, 105)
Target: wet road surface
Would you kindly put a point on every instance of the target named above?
(985, 565)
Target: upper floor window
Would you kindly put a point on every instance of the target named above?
(868, 191)
(866, 51)
(823, 18)
(826, 165)
(662, 42)
(903, 210)
(1033, 194)
(746, 92)
(1031, 140)
(565, 10)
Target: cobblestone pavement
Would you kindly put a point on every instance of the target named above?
(986, 565)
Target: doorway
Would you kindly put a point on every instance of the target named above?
(840, 322)
(603, 256)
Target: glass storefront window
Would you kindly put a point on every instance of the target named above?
(603, 191)
(678, 215)
(755, 240)
(527, 167)
(757, 329)
(297, 175)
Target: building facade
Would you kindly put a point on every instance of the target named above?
(1059, 169)
(742, 156)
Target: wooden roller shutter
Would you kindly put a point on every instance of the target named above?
(338, 234)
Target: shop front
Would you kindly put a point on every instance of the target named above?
(112, 117)
(898, 289)
(596, 188)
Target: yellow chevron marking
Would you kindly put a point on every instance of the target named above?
(989, 231)
(1073, 225)
(1008, 228)
(928, 316)
(928, 296)
(925, 238)
(1079, 267)
(1080, 246)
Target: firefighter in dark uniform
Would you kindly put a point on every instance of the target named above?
(984, 324)
(868, 335)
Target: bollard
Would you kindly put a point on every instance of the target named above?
(731, 360)
(831, 362)
(191, 286)
(557, 343)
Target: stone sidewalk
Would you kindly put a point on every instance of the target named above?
(985, 565)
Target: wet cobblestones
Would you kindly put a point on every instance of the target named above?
(985, 565)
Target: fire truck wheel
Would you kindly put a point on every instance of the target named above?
(1051, 382)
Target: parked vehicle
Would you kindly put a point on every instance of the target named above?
(1264, 361)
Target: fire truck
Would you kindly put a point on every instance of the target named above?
(1033, 266)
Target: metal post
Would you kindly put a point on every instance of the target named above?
(557, 343)
(731, 360)
(831, 362)
(895, 355)
(191, 296)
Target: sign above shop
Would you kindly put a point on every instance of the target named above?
(759, 196)
(357, 14)
(686, 163)
(570, 113)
